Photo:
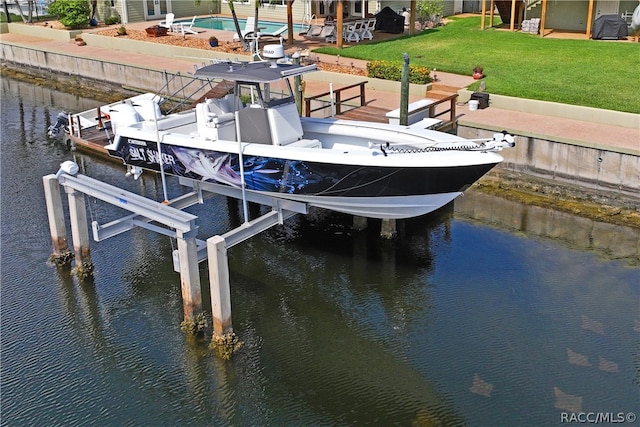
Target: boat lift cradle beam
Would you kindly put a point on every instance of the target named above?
(146, 211)
(281, 210)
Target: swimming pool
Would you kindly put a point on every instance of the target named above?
(226, 24)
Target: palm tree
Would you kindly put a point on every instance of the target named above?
(235, 22)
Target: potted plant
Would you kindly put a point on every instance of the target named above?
(477, 72)
(213, 41)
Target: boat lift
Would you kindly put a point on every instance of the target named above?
(174, 222)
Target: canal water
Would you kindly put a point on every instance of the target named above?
(486, 313)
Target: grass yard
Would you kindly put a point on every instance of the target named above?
(600, 74)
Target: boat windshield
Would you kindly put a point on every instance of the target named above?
(265, 95)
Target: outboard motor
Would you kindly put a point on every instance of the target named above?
(62, 120)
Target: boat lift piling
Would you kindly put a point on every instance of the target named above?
(178, 224)
(79, 232)
(144, 211)
(57, 226)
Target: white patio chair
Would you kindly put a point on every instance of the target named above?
(181, 27)
(349, 33)
(277, 33)
(366, 31)
(168, 21)
(249, 28)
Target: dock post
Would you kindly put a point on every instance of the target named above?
(224, 342)
(53, 198)
(388, 229)
(189, 274)
(219, 284)
(80, 233)
(359, 223)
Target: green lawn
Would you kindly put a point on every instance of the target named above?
(600, 74)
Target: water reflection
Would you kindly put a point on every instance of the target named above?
(337, 325)
(608, 241)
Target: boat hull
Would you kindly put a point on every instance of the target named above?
(372, 191)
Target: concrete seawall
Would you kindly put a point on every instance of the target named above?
(592, 167)
(601, 167)
(113, 72)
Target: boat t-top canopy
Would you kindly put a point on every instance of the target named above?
(253, 72)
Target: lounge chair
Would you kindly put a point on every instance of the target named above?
(328, 33)
(313, 31)
(168, 21)
(277, 33)
(181, 27)
(249, 28)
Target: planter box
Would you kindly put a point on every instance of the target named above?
(44, 32)
(156, 31)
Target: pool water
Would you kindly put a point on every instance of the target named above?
(226, 24)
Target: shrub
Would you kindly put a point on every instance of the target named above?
(73, 14)
(393, 71)
(429, 11)
(115, 19)
(122, 31)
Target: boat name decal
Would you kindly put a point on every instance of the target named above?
(150, 156)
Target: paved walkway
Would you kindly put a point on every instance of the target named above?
(578, 132)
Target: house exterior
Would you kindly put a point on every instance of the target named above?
(276, 10)
(575, 15)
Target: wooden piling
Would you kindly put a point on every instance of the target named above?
(404, 92)
(219, 284)
(388, 229)
(189, 275)
(55, 212)
(79, 232)
(359, 223)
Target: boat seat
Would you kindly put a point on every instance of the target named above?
(213, 122)
(284, 124)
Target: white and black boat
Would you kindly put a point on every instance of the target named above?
(254, 138)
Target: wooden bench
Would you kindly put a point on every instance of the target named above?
(417, 111)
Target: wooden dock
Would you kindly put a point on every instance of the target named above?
(93, 140)
(442, 106)
(367, 113)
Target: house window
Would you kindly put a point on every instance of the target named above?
(324, 11)
(273, 3)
